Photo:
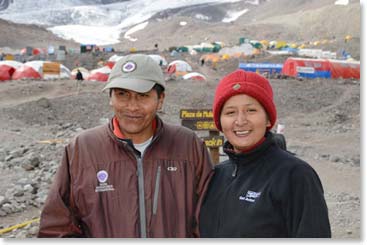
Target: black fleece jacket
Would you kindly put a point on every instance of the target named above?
(265, 193)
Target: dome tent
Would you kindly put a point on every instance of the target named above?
(34, 70)
(7, 68)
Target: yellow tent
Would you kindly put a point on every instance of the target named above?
(280, 44)
(226, 57)
(347, 38)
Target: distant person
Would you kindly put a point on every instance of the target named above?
(79, 80)
(261, 191)
(135, 176)
(202, 61)
(79, 75)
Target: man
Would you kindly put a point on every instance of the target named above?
(136, 176)
(79, 79)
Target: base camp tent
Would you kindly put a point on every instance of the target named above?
(83, 70)
(100, 74)
(7, 68)
(159, 59)
(322, 68)
(35, 70)
(178, 67)
(345, 69)
(194, 76)
(266, 69)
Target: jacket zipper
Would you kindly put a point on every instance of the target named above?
(156, 190)
(140, 173)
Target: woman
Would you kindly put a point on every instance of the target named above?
(261, 191)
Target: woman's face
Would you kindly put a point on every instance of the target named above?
(244, 121)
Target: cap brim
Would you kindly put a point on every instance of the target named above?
(137, 85)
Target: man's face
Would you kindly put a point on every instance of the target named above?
(135, 112)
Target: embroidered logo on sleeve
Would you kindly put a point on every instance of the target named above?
(250, 196)
(102, 177)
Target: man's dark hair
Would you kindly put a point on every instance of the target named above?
(156, 87)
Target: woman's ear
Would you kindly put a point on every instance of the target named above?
(268, 124)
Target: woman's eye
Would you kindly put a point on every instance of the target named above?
(229, 112)
(251, 110)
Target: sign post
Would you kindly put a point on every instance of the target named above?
(202, 120)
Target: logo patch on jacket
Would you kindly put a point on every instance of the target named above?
(250, 196)
(102, 177)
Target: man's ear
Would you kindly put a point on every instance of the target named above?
(161, 100)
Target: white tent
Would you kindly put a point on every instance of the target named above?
(194, 76)
(159, 59)
(178, 66)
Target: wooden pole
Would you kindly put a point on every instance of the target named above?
(214, 152)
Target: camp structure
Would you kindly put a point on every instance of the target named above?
(194, 76)
(345, 69)
(321, 68)
(83, 70)
(100, 74)
(159, 59)
(178, 68)
(7, 68)
(112, 60)
(40, 69)
(265, 69)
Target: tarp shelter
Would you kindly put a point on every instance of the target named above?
(262, 68)
(100, 74)
(34, 70)
(83, 70)
(194, 76)
(7, 68)
(178, 67)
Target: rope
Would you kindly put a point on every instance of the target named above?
(5, 230)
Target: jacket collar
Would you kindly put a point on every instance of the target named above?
(248, 157)
(158, 124)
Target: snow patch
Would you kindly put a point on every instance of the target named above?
(233, 16)
(135, 29)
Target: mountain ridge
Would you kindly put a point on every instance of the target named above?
(290, 20)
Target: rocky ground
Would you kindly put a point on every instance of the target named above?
(321, 118)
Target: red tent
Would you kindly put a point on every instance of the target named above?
(324, 68)
(345, 69)
(6, 72)
(7, 68)
(303, 67)
(26, 72)
(100, 74)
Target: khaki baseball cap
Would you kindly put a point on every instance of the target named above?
(136, 72)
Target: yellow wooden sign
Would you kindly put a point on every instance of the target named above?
(199, 124)
(214, 141)
(192, 114)
(52, 68)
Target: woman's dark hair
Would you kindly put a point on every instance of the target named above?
(156, 87)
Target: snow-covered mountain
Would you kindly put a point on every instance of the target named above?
(102, 21)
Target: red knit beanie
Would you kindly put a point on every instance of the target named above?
(243, 82)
